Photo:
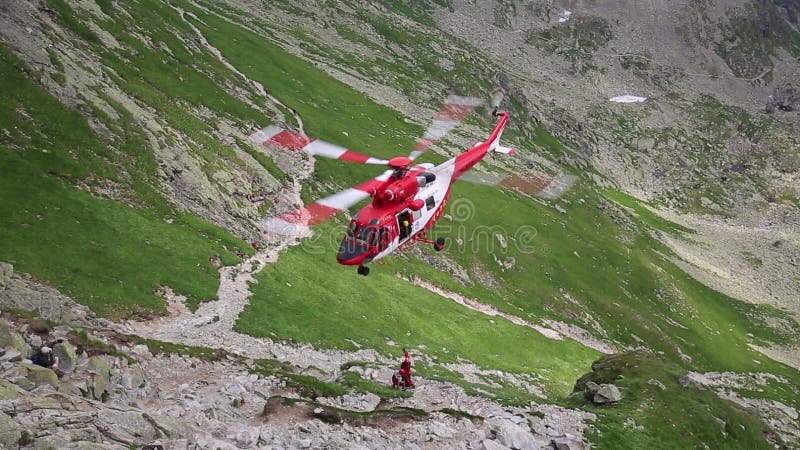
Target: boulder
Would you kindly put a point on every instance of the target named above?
(689, 381)
(512, 435)
(66, 356)
(10, 354)
(6, 272)
(9, 432)
(370, 401)
(37, 375)
(132, 377)
(142, 351)
(8, 391)
(36, 341)
(590, 389)
(99, 368)
(10, 338)
(129, 427)
(568, 443)
(77, 388)
(60, 332)
(608, 393)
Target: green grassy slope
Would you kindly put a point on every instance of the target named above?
(688, 417)
(99, 251)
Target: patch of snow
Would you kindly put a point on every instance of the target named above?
(564, 16)
(628, 99)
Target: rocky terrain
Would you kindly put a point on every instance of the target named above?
(114, 392)
(658, 173)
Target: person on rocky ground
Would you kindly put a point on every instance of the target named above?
(404, 374)
(44, 357)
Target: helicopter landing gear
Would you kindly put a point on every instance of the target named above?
(439, 244)
(363, 270)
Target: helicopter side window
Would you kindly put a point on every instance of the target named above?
(384, 238)
(430, 202)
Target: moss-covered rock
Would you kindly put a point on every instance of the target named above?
(38, 375)
(101, 372)
(66, 356)
(10, 338)
(8, 390)
(6, 272)
(9, 432)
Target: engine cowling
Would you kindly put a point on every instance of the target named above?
(400, 190)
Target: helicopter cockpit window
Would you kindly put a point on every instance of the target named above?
(352, 229)
(366, 235)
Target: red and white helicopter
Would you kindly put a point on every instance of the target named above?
(407, 199)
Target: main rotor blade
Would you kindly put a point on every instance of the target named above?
(278, 137)
(454, 110)
(323, 209)
(541, 185)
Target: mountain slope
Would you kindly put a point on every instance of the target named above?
(129, 179)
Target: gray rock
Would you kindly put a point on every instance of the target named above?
(590, 389)
(142, 350)
(489, 444)
(60, 332)
(10, 338)
(35, 341)
(514, 436)
(688, 381)
(8, 390)
(6, 272)
(66, 356)
(608, 393)
(721, 423)
(567, 443)
(132, 377)
(37, 375)
(129, 427)
(77, 388)
(658, 384)
(99, 368)
(62, 440)
(441, 430)
(9, 432)
(10, 354)
(370, 401)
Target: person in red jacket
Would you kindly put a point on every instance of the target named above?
(404, 373)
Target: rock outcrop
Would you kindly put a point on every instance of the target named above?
(131, 397)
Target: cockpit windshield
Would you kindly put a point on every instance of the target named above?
(367, 235)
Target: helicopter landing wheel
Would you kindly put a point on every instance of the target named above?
(439, 244)
(363, 270)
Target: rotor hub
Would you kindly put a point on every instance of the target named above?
(400, 162)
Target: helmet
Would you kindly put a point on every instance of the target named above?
(46, 349)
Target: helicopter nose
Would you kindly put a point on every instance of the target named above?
(352, 253)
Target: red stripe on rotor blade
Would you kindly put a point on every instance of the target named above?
(352, 156)
(310, 215)
(454, 113)
(423, 144)
(370, 186)
(317, 213)
(289, 140)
